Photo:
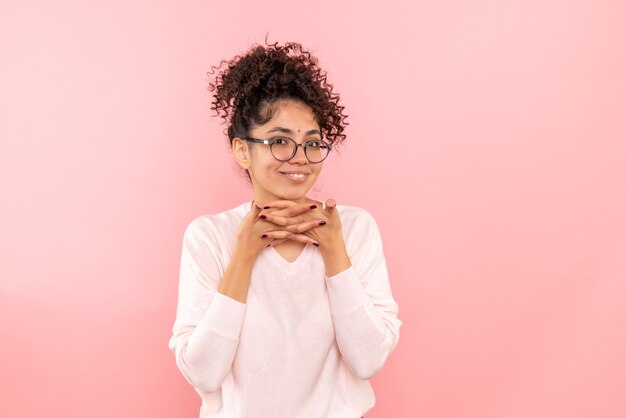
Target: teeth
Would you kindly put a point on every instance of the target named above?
(298, 176)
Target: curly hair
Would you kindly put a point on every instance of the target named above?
(246, 91)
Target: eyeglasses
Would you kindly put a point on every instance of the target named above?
(283, 149)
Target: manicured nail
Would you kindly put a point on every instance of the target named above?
(316, 244)
(322, 222)
(263, 217)
(313, 206)
(264, 236)
(266, 207)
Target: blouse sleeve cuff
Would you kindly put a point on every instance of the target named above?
(345, 292)
(225, 316)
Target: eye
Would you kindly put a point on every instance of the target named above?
(314, 144)
(280, 141)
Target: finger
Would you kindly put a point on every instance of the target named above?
(331, 203)
(279, 220)
(254, 211)
(303, 238)
(276, 234)
(289, 211)
(279, 204)
(305, 226)
(295, 237)
(277, 241)
(295, 210)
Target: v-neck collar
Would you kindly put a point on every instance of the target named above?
(278, 259)
(273, 255)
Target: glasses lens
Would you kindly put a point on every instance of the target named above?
(282, 148)
(316, 151)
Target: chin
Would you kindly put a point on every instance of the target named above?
(293, 196)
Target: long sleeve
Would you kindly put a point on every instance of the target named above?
(208, 324)
(364, 312)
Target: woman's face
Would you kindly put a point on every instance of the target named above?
(270, 178)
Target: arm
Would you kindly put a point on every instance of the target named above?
(208, 323)
(362, 306)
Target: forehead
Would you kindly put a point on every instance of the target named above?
(293, 115)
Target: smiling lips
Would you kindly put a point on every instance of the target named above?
(297, 177)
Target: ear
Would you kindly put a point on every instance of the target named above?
(241, 152)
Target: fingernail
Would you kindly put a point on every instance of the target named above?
(266, 207)
(316, 244)
(322, 222)
(313, 206)
(263, 217)
(264, 236)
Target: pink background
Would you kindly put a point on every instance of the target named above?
(487, 138)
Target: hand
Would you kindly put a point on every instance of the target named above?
(288, 220)
(249, 239)
(329, 235)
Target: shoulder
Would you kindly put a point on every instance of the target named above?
(213, 225)
(355, 218)
(361, 235)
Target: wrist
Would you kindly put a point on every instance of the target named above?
(331, 247)
(244, 257)
(335, 258)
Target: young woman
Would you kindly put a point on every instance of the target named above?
(284, 305)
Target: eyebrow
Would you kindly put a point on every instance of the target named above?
(289, 131)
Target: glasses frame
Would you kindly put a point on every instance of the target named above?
(270, 142)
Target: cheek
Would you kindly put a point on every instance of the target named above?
(272, 167)
(317, 171)
(263, 165)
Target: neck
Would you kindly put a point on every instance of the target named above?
(267, 199)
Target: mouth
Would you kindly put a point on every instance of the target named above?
(297, 177)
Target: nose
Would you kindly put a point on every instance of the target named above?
(300, 156)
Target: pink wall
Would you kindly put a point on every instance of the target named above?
(488, 139)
